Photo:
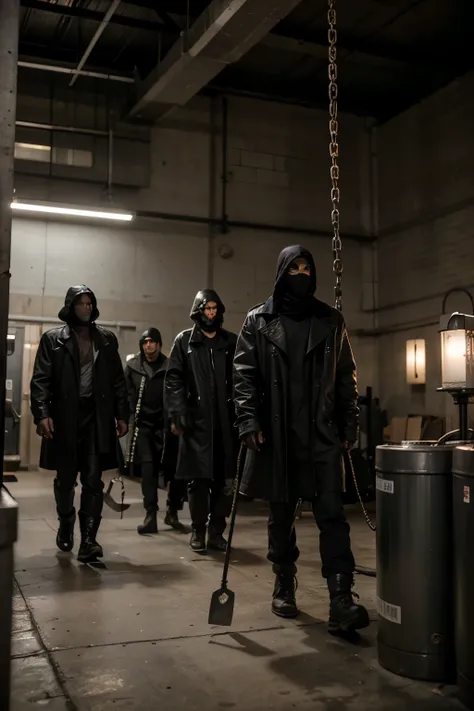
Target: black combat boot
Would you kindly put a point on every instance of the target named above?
(65, 535)
(198, 541)
(284, 601)
(149, 525)
(215, 540)
(89, 549)
(345, 615)
(172, 520)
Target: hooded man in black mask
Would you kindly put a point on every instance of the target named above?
(145, 374)
(80, 406)
(295, 394)
(198, 397)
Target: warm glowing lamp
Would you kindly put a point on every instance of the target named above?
(416, 361)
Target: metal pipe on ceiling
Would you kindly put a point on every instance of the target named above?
(75, 72)
(95, 39)
(60, 129)
(246, 224)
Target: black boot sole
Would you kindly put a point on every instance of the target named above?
(357, 622)
(90, 558)
(147, 532)
(286, 615)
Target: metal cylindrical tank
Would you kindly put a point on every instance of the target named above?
(414, 560)
(463, 510)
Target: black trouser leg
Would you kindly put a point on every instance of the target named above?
(282, 549)
(221, 490)
(92, 487)
(64, 486)
(220, 506)
(334, 538)
(198, 499)
(176, 492)
(149, 487)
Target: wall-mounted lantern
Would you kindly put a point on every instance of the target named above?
(416, 362)
(457, 353)
(457, 359)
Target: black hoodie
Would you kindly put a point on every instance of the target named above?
(202, 298)
(285, 300)
(67, 313)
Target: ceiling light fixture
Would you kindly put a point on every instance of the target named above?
(71, 211)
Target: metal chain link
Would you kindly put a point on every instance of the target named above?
(336, 194)
(370, 524)
(334, 153)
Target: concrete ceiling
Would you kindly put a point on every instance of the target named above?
(391, 53)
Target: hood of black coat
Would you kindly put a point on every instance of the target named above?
(67, 314)
(286, 258)
(201, 299)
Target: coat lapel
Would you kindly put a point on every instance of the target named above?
(275, 333)
(319, 330)
(67, 341)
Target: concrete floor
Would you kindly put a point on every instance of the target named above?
(132, 633)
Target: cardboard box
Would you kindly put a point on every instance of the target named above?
(413, 428)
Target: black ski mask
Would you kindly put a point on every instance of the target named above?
(198, 315)
(294, 294)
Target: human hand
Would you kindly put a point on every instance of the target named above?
(252, 440)
(179, 425)
(45, 428)
(122, 428)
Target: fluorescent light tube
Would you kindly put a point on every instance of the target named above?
(72, 211)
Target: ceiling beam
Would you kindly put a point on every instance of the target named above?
(221, 35)
(93, 16)
(97, 35)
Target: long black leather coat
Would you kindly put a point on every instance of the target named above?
(188, 392)
(151, 418)
(55, 394)
(261, 393)
(153, 425)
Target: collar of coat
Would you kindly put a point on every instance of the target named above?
(136, 364)
(197, 337)
(98, 336)
(324, 321)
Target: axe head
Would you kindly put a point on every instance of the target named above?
(110, 501)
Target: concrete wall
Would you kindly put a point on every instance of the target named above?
(149, 272)
(426, 212)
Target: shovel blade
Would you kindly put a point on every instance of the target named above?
(221, 609)
(114, 505)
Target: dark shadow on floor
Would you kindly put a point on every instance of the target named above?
(244, 644)
(68, 576)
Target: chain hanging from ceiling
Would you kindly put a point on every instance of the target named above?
(334, 153)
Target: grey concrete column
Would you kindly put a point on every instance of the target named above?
(9, 29)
